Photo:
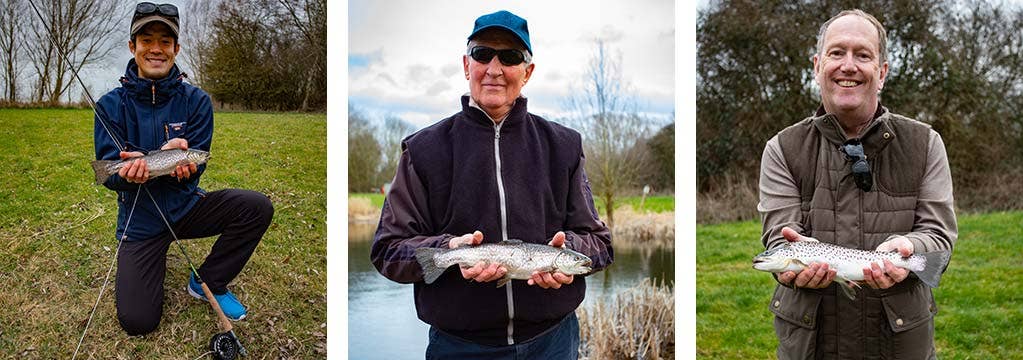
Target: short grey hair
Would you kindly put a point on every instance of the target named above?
(882, 35)
(525, 53)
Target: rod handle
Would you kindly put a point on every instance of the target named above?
(225, 323)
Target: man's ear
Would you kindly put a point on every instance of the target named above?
(816, 63)
(177, 47)
(883, 74)
(131, 46)
(465, 65)
(529, 72)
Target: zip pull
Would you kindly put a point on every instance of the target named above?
(166, 133)
(154, 92)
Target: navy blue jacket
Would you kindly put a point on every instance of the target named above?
(447, 185)
(144, 114)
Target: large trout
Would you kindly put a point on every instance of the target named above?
(521, 259)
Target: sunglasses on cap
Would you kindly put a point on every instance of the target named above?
(853, 150)
(144, 9)
(508, 57)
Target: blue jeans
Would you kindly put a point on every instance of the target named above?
(559, 343)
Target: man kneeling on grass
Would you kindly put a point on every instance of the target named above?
(155, 110)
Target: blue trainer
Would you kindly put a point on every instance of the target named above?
(230, 304)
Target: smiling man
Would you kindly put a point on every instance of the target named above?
(154, 109)
(490, 173)
(860, 176)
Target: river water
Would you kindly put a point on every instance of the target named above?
(382, 322)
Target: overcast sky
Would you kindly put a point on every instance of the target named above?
(405, 57)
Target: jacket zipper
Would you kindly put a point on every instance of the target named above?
(504, 228)
(154, 92)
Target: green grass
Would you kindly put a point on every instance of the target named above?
(376, 199)
(980, 301)
(56, 241)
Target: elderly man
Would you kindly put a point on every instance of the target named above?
(489, 173)
(155, 109)
(859, 176)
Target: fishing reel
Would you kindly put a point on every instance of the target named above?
(225, 346)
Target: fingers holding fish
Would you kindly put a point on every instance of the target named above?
(548, 280)
(558, 240)
(135, 172)
(816, 276)
(468, 239)
(876, 277)
(483, 272)
(897, 274)
(787, 277)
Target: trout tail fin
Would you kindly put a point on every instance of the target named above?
(934, 265)
(431, 271)
(100, 167)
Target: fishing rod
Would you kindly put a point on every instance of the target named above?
(224, 345)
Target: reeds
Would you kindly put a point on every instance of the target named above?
(638, 323)
(643, 229)
(361, 210)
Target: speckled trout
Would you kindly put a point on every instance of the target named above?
(160, 162)
(849, 263)
(521, 259)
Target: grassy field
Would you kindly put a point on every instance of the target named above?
(57, 241)
(980, 301)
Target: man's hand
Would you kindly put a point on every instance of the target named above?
(548, 280)
(180, 172)
(879, 278)
(136, 171)
(481, 272)
(816, 276)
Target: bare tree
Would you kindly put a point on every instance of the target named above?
(10, 44)
(197, 29)
(363, 152)
(310, 18)
(82, 29)
(605, 114)
(394, 130)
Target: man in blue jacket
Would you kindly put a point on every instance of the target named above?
(155, 110)
(493, 172)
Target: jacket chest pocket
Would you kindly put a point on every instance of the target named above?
(175, 130)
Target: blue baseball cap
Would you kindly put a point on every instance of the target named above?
(507, 21)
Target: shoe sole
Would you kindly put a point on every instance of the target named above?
(203, 298)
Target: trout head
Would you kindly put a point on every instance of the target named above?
(776, 260)
(571, 262)
(197, 156)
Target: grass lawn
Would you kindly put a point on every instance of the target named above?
(57, 241)
(980, 301)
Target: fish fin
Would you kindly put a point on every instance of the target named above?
(934, 265)
(431, 271)
(848, 287)
(505, 280)
(99, 167)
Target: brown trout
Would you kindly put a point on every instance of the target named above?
(521, 259)
(160, 162)
(849, 263)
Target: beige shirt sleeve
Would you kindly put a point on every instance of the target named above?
(935, 227)
(779, 196)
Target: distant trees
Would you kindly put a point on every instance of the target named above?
(374, 148)
(363, 153)
(267, 54)
(953, 64)
(258, 55)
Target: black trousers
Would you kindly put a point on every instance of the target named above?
(239, 216)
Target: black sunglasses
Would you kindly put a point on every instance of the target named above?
(508, 57)
(147, 8)
(853, 149)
